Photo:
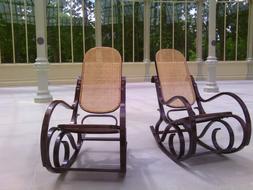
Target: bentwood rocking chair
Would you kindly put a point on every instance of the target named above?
(100, 91)
(177, 92)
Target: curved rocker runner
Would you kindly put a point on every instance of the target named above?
(177, 91)
(99, 92)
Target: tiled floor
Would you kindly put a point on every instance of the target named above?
(147, 168)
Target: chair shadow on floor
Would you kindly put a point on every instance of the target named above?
(208, 167)
(95, 158)
(217, 168)
(137, 167)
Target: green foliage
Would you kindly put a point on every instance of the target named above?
(62, 51)
(230, 31)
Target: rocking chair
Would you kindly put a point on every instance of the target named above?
(177, 92)
(99, 91)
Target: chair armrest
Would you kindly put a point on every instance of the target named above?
(45, 133)
(154, 79)
(186, 103)
(237, 99)
(50, 110)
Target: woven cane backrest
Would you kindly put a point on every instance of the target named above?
(101, 80)
(174, 76)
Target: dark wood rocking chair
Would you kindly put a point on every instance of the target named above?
(177, 91)
(99, 91)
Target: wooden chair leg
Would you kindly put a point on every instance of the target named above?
(123, 156)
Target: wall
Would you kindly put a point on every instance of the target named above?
(66, 73)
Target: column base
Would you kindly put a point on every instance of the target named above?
(43, 97)
(147, 79)
(147, 70)
(211, 87)
(200, 70)
(250, 69)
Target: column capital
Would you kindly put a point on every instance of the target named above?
(41, 66)
(211, 59)
(41, 60)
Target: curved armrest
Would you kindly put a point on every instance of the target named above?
(237, 99)
(50, 110)
(184, 101)
(44, 146)
(244, 109)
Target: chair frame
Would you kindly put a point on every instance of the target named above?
(188, 124)
(67, 131)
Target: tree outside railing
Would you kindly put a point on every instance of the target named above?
(17, 29)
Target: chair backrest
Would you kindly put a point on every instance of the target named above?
(174, 76)
(101, 80)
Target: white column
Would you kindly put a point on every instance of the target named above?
(98, 30)
(147, 7)
(250, 41)
(41, 63)
(199, 59)
(199, 30)
(211, 85)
